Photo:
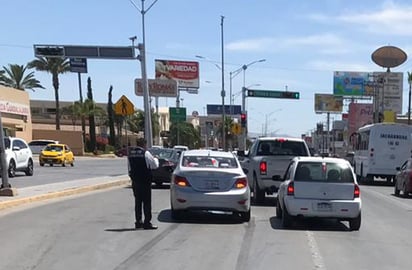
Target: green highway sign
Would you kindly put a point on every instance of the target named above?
(177, 114)
(272, 94)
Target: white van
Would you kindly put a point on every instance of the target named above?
(379, 149)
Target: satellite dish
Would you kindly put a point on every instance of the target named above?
(389, 56)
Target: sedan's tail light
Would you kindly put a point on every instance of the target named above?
(356, 192)
(241, 183)
(263, 167)
(291, 188)
(181, 181)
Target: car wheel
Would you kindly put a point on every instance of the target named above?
(41, 164)
(51, 164)
(72, 164)
(12, 168)
(177, 214)
(355, 223)
(29, 170)
(396, 190)
(245, 216)
(64, 163)
(405, 191)
(278, 209)
(258, 194)
(286, 218)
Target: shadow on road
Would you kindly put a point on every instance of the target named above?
(201, 217)
(310, 224)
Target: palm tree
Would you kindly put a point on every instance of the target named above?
(184, 133)
(14, 76)
(136, 122)
(74, 111)
(409, 99)
(55, 66)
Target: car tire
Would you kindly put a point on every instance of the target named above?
(29, 170)
(245, 216)
(72, 164)
(405, 192)
(286, 218)
(278, 209)
(42, 164)
(396, 190)
(258, 194)
(355, 223)
(12, 169)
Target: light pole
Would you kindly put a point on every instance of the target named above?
(142, 57)
(242, 145)
(267, 118)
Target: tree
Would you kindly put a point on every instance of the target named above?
(90, 106)
(136, 122)
(55, 66)
(184, 133)
(229, 136)
(74, 111)
(14, 76)
(110, 113)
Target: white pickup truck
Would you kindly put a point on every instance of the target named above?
(266, 163)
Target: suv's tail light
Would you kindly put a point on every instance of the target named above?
(263, 167)
(291, 188)
(356, 192)
(181, 181)
(241, 183)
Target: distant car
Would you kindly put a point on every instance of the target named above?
(209, 180)
(56, 154)
(319, 187)
(168, 159)
(19, 157)
(37, 145)
(403, 179)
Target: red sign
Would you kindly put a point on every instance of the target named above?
(157, 88)
(359, 115)
(186, 73)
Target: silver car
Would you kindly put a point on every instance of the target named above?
(319, 187)
(209, 180)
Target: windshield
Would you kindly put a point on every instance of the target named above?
(209, 162)
(53, 148)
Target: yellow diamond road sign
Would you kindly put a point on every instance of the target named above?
(124, 106)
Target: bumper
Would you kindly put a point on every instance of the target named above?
(188, 199)
(50, 160)
(310, 208)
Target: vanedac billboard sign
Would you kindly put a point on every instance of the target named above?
(185, 73)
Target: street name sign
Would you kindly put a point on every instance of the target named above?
(273, 94)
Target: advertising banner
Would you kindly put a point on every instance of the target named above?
(185, 73)
(327, 103)
(359, 115)
(390, 89)
(157, 88)
(352, 84)
(14, 108)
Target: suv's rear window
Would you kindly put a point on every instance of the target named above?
(324, 172)
(282, 148)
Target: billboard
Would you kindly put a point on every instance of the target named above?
(359, 115)
(390, 91)
(185, 73)
(327, 103)
(352, 84)
(157, 88)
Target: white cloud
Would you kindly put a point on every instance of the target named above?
(334, 65)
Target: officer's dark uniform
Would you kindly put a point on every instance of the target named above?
(141, 177)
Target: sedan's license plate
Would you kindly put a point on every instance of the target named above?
(324, 206)
(212, 184)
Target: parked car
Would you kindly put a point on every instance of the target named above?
(168, 159)
(209, 180)
(19, 157)
(56, 154)
(319, 187)
(403, 179)
(37, 145)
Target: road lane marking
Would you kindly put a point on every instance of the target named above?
(316, 256)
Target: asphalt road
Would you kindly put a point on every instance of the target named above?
(95, 231)
(85, 167)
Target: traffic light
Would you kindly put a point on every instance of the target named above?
(243, 119)
(291, 95)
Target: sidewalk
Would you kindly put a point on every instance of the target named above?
(61, 189)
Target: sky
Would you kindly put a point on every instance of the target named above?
(302, 42)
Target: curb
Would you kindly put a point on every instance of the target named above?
(63, 193)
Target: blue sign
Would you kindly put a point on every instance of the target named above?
(78, 65)
(217, 109)
(351, 84)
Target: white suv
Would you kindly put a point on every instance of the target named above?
(18, 156)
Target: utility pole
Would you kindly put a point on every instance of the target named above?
(223, 90)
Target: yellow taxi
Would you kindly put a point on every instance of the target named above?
(56, 154)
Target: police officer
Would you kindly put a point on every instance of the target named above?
(141, 164)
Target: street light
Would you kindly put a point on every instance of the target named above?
(235, 95)
(235, 73)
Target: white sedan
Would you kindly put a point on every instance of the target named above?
(209, 180)
(319, 187)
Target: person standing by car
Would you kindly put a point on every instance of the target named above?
(141, 163)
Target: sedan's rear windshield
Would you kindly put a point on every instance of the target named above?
(209, 162)
(324, 172)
